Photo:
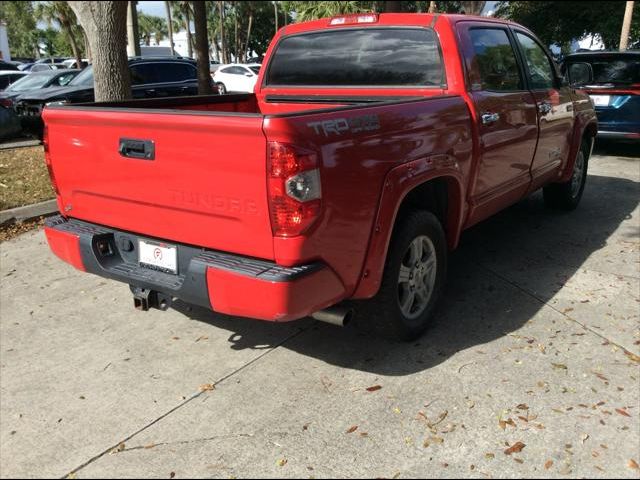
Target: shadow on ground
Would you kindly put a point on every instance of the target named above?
(525, 240)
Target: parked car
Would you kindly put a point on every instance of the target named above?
(371, 142)
(7, 77)
(7, 66)
(150, 78)
(73, 63)
(9, 123)
(612, 80)
(36, 81)
(236, 77)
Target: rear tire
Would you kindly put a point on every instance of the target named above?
(413, 280)
(567, 195)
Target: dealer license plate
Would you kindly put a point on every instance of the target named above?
(158, 256)
(601, 100)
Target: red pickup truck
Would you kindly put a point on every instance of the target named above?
(371, 142)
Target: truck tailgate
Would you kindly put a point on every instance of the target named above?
(205, 185)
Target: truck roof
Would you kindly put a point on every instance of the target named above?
(386, 19)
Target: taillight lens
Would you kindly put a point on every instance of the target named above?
(47, 158)
(295, 193)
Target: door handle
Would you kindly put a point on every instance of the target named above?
(544, 108)
(489, 118)
(141, 149)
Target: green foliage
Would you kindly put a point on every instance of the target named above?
(150, 26)
(559, 22)
(21, 27)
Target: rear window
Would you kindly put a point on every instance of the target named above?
(621, 70)
(374, 57)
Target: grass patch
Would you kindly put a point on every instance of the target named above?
(24, 179)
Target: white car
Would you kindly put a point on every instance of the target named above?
(236, 77)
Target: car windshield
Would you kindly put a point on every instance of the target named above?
(618, 71)
(29, 82)
(84, 78)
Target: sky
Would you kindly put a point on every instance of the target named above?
(152, 8)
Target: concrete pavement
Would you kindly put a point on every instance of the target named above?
(537, 342)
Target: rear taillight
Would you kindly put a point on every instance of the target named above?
(295, 194)
(47, 158)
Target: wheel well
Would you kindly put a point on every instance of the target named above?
(432, 196)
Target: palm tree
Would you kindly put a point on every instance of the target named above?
(61, 13)
(151, 26)
(314, 10)
(183, 13)
(202, 47)
(167, 6)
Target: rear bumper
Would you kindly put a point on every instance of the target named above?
(226, 283)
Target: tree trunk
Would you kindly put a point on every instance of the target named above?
(106, 25)
(223, 40)
(236, 47)
(472, 8)
(66, 26)
(187, 19)
(626, 26)
(202, 47)
(275, 13)
(133, 37)
(392, 7)
(87, 48)
(245, 52)
(167, 5)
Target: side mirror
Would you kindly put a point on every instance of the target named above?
(580, 74)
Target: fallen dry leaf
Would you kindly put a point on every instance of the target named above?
(151, 445)
(119, 448)
(352, 429)
(205, 387)
(523, 406)
(519, 460)
(633, 464)
(172, 475)
(375, 388)
(622, 412)
(559, 366)
(548, 464)
(489, 456)
(632, 356)
(515, 448)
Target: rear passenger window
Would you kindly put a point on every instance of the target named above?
(538, 64)
(494, 65)
(174, 72)
(143, 73)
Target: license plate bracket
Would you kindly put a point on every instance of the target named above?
(158, 256)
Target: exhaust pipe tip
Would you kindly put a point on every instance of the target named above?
(334, 315)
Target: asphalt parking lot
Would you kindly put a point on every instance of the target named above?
(531, 369)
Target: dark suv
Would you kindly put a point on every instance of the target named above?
(151, 77)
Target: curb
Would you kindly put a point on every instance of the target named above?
(20, 144)
(20, 214)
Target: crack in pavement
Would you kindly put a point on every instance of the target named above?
(188, 400)
(535, 297)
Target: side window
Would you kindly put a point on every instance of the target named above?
(494, 65)
(538, 63)
(143, 73)
(64, 79)
(174, 72)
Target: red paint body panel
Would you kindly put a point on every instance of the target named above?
(242, 296)
(207, 185)
(65, 246)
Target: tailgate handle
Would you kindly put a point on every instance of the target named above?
(142, 149)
